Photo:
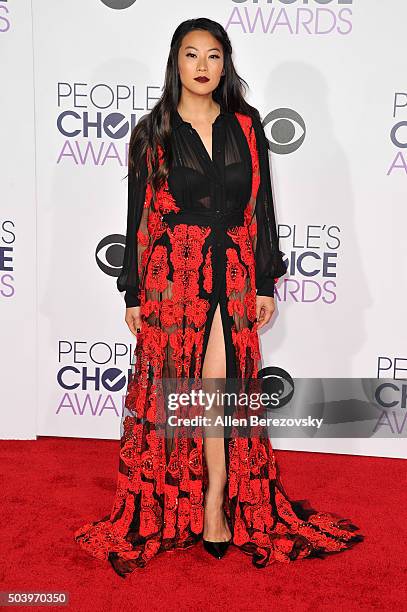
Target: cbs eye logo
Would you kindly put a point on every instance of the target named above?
(118, 4)
(285, 130)
(109, 254)
(278, 381)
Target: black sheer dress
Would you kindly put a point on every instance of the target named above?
(208, 237)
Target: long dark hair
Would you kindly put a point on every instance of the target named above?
(155, 128)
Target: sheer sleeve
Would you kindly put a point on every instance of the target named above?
(137, 234)
(268, 257)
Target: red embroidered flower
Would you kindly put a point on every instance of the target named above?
(128, 453)
(207, 271)
(100, 539)
(147, 465)
(153, 341)
(173, 464)
(165, 200)
(130, 555)
(171, 313)
(246, 340)
(185, 285)
(196, 310)
(285, 509)
(150, 306)
(261, 539)
(235, 272)
(158, 269)
(128, 426)
(156, 226)
(253, 229)
(151, 548)
(182, 344)
(195, 462)
(257, 457)
(235, 305)
(183, 517)
(240, 236)
(248, 129)
(183, 446)
(240, 535)
(250, 302)
(197, 511)
(170, 511)
(199, 335)
(186, 242)
(150, 511)
(151, 414)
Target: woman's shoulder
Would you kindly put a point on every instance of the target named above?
(249, 119)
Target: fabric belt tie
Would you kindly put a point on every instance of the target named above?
(215, 218)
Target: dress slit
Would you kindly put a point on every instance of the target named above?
(219, 299)
(230, 355)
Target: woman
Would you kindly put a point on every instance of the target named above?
(200, 264)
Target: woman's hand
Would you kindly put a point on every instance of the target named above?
(265, 307)
(133, 319)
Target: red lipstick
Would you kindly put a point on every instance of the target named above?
(201, 79)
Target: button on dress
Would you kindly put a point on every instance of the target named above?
(207, 237)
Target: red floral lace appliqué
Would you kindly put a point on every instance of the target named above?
(165, 200)
(207, 271)
(158, 269)
(246, 342)
(235, 272)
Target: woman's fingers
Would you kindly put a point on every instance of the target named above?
(263, 318)
(133, 319)
(264, 310)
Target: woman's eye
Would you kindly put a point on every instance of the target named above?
(191, 54)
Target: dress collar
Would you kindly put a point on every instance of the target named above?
(177, 120)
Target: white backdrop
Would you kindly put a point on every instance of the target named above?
(327, 77)
(17, 224)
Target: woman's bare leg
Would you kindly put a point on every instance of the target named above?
(215, 525)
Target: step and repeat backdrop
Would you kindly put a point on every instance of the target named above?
(18, 244)
(328, 77)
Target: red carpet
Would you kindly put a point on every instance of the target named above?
(53, 485)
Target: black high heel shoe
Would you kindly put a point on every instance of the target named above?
(216, 549)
